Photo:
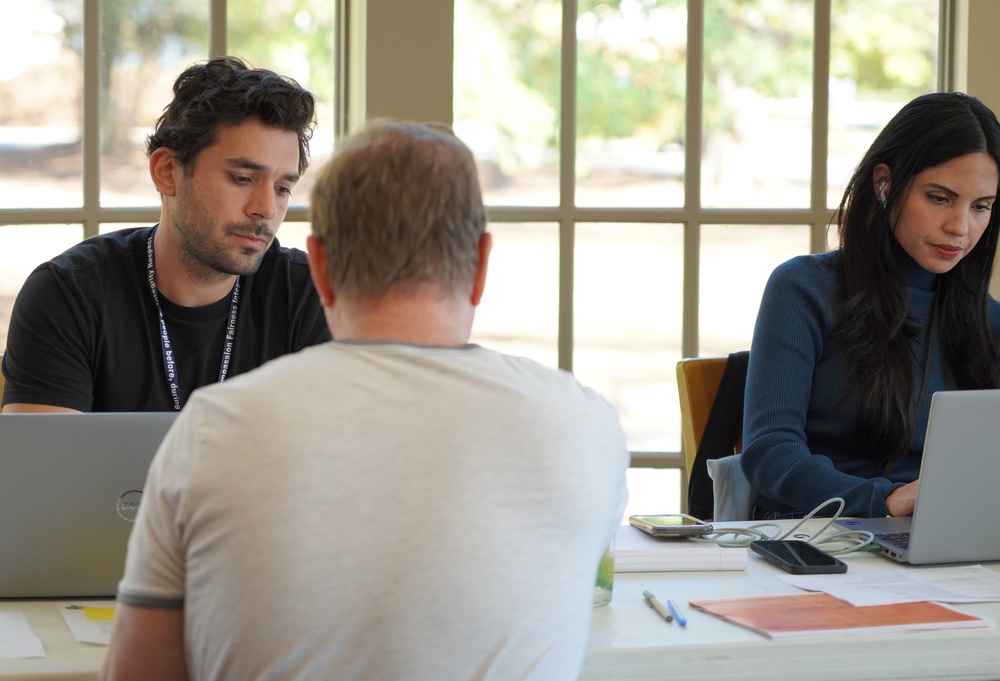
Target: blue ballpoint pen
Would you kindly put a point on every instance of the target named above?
(676, 612)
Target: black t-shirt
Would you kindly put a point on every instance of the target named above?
(84, 331)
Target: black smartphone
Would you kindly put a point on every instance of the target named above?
(669, 525)
(798, 557)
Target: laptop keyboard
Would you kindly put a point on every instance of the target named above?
(900, 540)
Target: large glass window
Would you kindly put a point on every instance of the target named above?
(684, 149)
(82, 85)
(41, 106)
(293, 38)
(521, 300)
(623, 324)
(653, 158)
(143, 48)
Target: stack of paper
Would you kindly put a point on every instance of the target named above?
(16, 637)
(636, 551)
(90, 621)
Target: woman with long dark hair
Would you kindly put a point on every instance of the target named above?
(850, 345)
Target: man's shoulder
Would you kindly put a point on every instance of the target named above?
(281, 263)
(544, 383)
(285, 255)
(100, 249)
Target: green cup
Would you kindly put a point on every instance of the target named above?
(605, 577)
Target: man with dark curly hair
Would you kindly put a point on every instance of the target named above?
(137, 319)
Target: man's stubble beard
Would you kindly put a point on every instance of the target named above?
(208, 261)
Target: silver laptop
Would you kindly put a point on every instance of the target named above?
(958, 502)
(69, 489)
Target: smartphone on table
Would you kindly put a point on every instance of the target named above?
(669, 525)
(798, 557)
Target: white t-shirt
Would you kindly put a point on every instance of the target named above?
(382, 511)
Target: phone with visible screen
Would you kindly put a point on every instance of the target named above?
(798, 557)
(669, 525)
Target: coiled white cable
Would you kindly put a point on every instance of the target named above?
(858, 540)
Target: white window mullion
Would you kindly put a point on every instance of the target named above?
(91, 134)
(567, 183)
(692, 175)
(820, 125)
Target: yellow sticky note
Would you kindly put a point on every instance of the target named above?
(99, 614)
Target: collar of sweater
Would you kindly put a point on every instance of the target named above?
(916, 276)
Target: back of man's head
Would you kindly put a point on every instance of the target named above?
(399, 205)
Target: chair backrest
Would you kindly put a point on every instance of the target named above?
(711, 397)
(698, 381)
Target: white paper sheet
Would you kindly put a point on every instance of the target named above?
(960, 584)
(90, 621)
(16, 637)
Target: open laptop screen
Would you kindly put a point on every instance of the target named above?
(70, 485)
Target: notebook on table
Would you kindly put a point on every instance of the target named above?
(958, 501)
(636, 551)
(70, 486)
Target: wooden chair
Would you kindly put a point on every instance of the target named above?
(698, 381)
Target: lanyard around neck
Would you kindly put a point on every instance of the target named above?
(167, 348)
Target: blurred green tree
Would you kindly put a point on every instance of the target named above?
(631, 59)
(141, 39)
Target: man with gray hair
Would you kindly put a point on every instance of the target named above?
(393, 504)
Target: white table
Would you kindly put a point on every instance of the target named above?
(629, 642)
(66, 660)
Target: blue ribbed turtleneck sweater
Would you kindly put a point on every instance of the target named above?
(799, 438)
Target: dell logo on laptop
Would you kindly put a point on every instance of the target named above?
(128, 504)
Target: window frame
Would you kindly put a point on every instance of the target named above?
(370, 80)
(91, 214)
(692, 216)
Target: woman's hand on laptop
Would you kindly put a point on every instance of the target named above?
(902, 499)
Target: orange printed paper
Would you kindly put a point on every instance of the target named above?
(819, 614)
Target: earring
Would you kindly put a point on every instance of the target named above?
(881, 194)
